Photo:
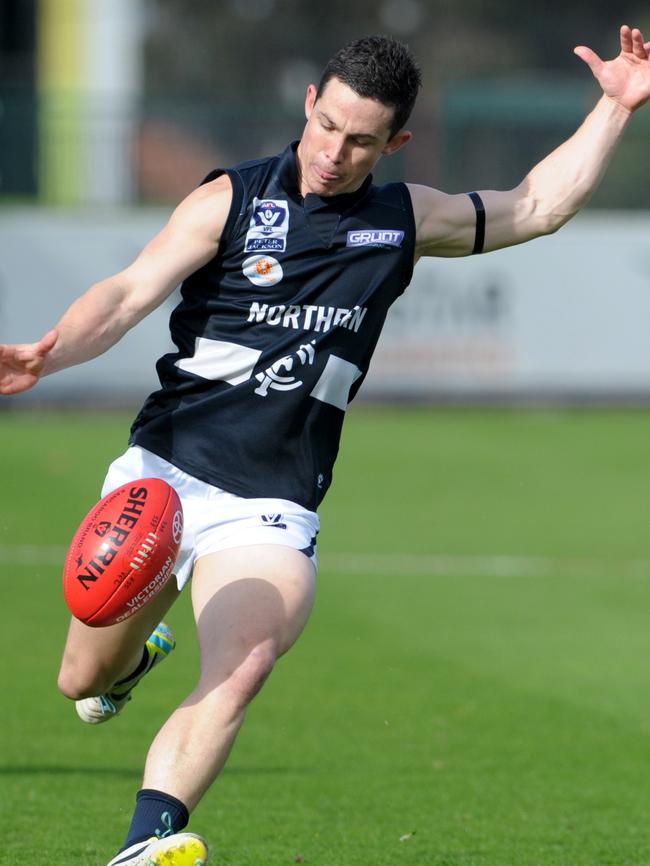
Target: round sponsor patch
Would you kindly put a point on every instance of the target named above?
(263, 270)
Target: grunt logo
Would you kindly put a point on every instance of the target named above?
(375, 238)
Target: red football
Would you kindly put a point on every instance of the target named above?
(123, 552)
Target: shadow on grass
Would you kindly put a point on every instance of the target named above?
(58, 770)
(129, 773)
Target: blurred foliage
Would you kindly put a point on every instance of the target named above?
(250, 42)
(234, 72)
(224, 81)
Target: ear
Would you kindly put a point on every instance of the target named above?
(397, 141)
(310, 100)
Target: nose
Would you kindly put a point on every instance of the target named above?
(334, 149)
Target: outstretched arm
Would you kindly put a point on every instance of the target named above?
(101, 316)
(556, 188)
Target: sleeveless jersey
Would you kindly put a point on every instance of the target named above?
(275, 334)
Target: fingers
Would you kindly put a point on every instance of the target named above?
(28, 353)
(626, 39)
(27, 357)
(47, 342)
(632, 42)
(590, 57)
(638, 45)
(22, 356)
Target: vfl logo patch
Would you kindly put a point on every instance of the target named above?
(268, 227)
(375, 238)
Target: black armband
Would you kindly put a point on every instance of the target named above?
(479, 238)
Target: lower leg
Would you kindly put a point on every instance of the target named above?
(250, 605)
(192, 747)
(96, 658)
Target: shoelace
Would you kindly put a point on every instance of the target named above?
(106, 705)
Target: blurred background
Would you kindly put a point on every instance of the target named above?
(112, 110)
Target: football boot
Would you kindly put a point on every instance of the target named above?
(180, 849)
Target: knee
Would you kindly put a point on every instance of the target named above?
(77, 681)
(249, 676)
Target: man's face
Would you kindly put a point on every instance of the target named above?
(344, 137)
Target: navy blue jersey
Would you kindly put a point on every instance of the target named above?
(276, 333)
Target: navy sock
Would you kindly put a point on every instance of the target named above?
(121, 687)
(156, 814)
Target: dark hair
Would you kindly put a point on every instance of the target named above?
(381, 68)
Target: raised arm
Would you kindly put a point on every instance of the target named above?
(103, 314)
(561, 184)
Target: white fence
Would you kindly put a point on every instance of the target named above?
(565, 317)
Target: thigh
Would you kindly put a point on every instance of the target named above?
(246, 597)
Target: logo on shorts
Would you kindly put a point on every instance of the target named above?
(375, 238)
(273, 520)
(268, 227)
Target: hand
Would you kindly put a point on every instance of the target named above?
(21, 366)
(626, 79)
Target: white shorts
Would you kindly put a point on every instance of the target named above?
(214, 519)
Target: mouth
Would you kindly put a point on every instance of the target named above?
(326, 176)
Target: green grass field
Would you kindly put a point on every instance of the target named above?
(473, 687)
